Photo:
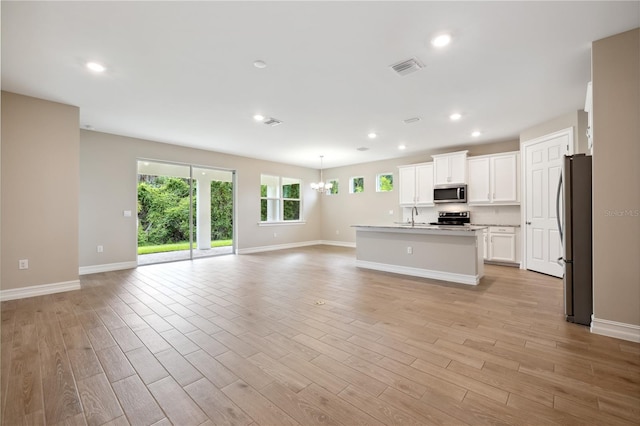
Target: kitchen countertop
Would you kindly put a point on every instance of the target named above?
(423, 227)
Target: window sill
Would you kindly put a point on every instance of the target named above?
(281, 223)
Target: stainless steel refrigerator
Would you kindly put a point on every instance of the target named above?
(575, 227)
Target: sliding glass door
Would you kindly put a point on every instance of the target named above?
(184, 212)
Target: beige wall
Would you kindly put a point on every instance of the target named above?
(39, 191)
(616, 177)
(108, 187)
(575, 119)
(341, 211)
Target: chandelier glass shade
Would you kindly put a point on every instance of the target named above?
(321, 186)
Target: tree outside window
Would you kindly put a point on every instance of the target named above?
(334, 187)
(384, 182)
(279, 199)
(356, 184)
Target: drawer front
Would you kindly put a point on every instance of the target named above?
(502, 230)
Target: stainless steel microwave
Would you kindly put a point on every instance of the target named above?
(450, 193)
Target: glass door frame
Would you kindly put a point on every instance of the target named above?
(192, 186)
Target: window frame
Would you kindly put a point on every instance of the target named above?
(281, 199)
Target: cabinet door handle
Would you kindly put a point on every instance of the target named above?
(528, 223)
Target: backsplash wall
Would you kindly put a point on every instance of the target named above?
(486, 215)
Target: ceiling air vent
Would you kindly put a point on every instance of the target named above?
(407, 67)
(272, 121)
(363, 148)
(411, 120)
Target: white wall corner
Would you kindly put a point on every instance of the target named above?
(619, 330)
(95, 269)
(38, 290)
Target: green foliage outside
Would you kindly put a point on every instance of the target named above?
(162, 248)
(334, 188)
(163, 210)
(358, 185)
(291, 202)
(386, 183)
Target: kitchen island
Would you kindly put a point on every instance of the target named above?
(448, 253)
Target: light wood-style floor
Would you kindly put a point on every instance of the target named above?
(242, 340)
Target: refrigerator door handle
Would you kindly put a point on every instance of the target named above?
(558, 207)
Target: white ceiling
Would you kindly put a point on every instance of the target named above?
(183, 72)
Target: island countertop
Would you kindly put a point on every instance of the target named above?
(422, 228)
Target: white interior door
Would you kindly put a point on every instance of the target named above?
(543, 159)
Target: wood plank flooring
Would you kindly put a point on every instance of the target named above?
(242, 340)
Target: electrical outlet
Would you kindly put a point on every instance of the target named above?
(409, 250)
(23, 264)
(100, 249)
(390, 212)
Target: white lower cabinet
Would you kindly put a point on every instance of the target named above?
(501, 243)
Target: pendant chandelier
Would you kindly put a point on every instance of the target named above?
(321, 186)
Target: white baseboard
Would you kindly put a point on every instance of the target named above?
(619, 330)
(277, 247)
(94, 269)
(337, 243)
(418, 272)
(38, 290)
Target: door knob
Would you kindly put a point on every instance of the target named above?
(528, 223)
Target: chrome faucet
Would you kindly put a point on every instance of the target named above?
(413, 209)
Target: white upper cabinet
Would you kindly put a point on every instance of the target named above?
(479, 189)
(450, 168)
(407, 175)
(494, 179)
(416, 185)
(424, 183)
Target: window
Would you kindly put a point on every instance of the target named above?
(356, 184)
(334, 187)
(384, 182)
(279, 199)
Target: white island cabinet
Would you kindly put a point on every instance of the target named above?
(443, 253)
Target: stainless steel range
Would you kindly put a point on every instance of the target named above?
(453, 218)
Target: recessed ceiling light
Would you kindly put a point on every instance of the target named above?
(455, 116)
(476, 133)
(258, 117)
(402, 147)
(260, 64)
(441, 41)
(96, 67)
(372, 135)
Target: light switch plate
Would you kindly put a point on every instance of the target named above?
(126, 213)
